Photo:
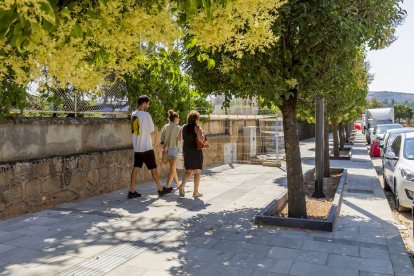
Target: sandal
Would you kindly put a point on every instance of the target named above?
(195, 195)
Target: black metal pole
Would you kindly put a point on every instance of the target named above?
(319, 103)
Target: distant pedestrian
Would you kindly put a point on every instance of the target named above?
(193, 157)
(170, 144)
(142, 127)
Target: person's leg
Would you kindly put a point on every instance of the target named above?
(197, 174)
(186, 176)
(134, 175)
(137, 166)
(177, 182)
(156, 177)
(172, 173)
(151, 163)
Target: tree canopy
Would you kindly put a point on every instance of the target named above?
(314, 40)
(81, 42)
(403, 112)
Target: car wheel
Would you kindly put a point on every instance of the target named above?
(397, 206)
(386, 186)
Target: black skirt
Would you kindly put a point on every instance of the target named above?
(193, 158)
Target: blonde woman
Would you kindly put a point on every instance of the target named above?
(193, 157)
(169, 140)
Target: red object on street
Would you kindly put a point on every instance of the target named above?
(374, 150)
(357, 127)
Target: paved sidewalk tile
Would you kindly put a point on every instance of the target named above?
(302, 268)
(297, 254)
(371, 253)
(260, 263)
(370, 265)
(214, 235)
(341, 249)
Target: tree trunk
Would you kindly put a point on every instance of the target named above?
(347, 132)
(341, 137)
(326, 154)
(296, 192)
(335, 138)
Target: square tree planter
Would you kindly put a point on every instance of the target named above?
(349, 150)
(266, 218)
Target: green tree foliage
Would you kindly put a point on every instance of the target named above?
(403, 112)
(12, 96)
(168, 87)
(102, 36)
(313, 38)
(374, 103)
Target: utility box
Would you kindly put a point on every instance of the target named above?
(249, 137)
(230, 153)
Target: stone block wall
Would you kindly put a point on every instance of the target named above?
(47, 161)
(33, 185)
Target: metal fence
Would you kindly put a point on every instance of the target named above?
(254, 139)
(111, 102)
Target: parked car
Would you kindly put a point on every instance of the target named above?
(399, 170)
(379, 131)
(389, 137)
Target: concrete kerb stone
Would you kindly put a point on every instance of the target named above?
(266, 218)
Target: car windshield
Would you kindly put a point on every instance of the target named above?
(409, 149)
(382, 129)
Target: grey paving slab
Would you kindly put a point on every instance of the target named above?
(242, 247)
(303, 268)
(5, 247)
(201, 242)
(214, 270)
(24, 257)
(336, 248)
(402, 264)
(366, 273)
(370, 265)
(297, 254)
(6, 236)
(371, 253)
(266, 273)
(215, 235)
(259, 263)
(277, 240)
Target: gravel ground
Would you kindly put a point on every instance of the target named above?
(403, 220)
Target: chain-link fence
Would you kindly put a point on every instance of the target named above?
(110, 102)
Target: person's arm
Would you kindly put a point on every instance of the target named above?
(200, 134)
(149, 123)
(163, 134)
(179, 135)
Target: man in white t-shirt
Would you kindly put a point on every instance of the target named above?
(142, 127)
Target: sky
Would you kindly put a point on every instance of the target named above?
(393, 67)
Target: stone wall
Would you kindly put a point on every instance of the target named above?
(34, 138)
(47, 161)
(33, 185)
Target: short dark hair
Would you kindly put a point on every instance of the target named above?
(143, 99)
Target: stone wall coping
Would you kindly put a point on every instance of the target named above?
(60, 121)
(62, 156)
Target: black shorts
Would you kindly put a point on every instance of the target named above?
(147, 157)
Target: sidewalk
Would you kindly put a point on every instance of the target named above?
(214, 235)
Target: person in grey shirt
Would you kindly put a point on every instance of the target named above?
(169, 140)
